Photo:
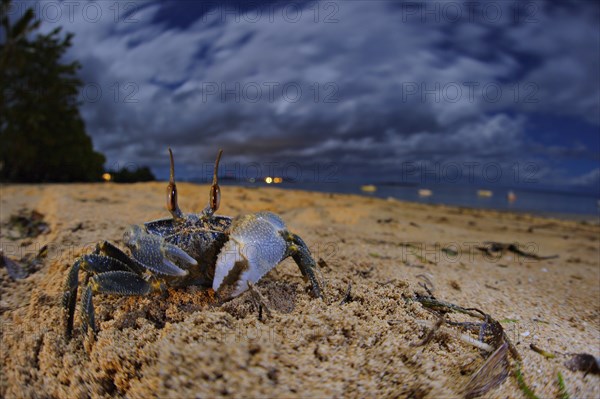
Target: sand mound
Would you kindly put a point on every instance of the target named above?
(182, 345)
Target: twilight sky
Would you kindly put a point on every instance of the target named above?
(375, 90)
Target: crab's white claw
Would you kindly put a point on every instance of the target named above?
(255, 246)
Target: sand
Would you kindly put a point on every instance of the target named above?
(183, 345)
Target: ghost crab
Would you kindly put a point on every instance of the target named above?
(202, 249)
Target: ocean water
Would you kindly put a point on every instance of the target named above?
(560, 204)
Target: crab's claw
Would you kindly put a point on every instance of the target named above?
(257, 243)
(154, 253)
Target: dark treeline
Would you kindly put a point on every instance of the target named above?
(125, 175)
(42, 134)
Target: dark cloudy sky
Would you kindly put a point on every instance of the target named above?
(375, 88)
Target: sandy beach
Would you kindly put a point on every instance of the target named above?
(361, 341)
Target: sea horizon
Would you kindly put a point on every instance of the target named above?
(542, 201)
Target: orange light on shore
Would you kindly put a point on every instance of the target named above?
(277, 180)
(106, 177)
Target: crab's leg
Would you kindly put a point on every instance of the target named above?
(301, 254)
(97, 264)
(120, 283)
(87, 311)
(108, 249)
(114, 282)
(93, 264)
(70, 296)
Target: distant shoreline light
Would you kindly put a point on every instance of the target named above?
(275, 180)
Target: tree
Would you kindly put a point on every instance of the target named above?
(42, 135)
(133, 175)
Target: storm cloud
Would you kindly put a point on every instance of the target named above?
(367, 85)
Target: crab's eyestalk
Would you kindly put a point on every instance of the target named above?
(172, 205)
(214, 197)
